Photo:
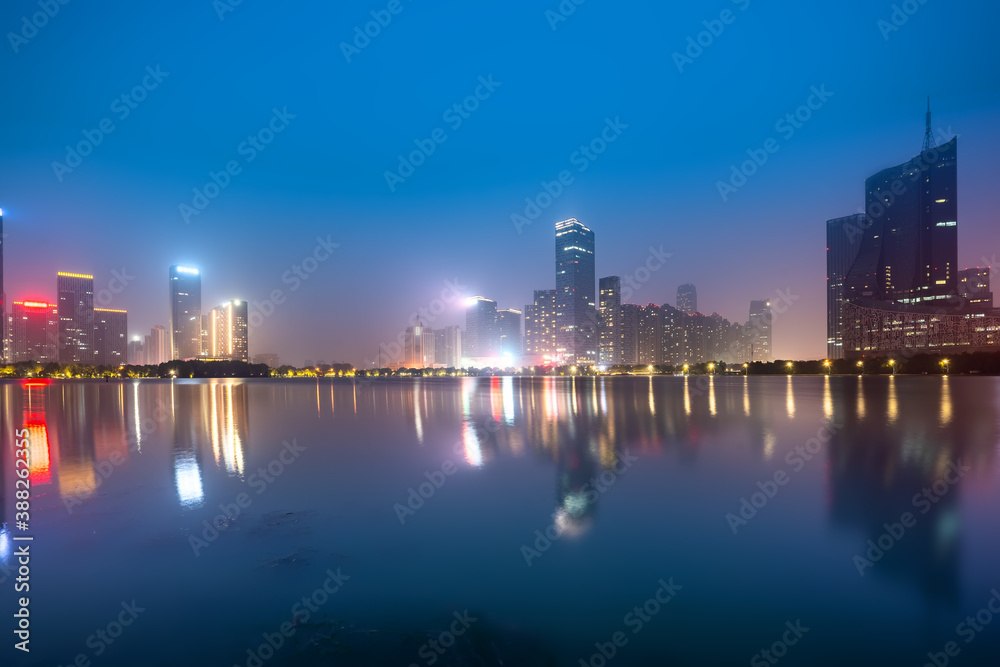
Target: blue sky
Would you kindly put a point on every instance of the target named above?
(552, 90)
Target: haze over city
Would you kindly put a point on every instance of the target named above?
(339, 120)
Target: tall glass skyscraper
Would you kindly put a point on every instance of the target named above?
(76, 317)
(482, 333)
(576, 303)
(609, 317)
(540, 324)
(185, 313)
(509, 326)
(842, 244)
(227, 332)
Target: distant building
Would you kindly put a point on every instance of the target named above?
(34, 330)
(482, 333)
(157, 346)
(418, 346)
(650, 335)
(452, 357)
(136, 352)
(576, 303)
(227, 332)
(687, 299)
(760, 327)
(609, 320)
(509, 325)
(842, 246)
(185, 313)
(110, 337)
(540, 325)
(974, 288)
(268, 358)
(76, 317)
(629, 326)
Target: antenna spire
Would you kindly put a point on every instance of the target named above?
(928, 133)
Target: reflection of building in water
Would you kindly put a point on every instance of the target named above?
(33, 421)
(877, 468)
(72, 436)
(228, 423)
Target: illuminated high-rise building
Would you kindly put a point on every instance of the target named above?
(482, 333)
(110, 337)
(760, 331)
(540, 324)
(609, 320)
(576, 303)
(76, 317)
(509, 325)
(226, 332)
(185, 313)
(34, 330)
(137, 351)
(687, 299)
(842, 244)
(157, 345)
(452, 347)
(418, 345)
(974, 288)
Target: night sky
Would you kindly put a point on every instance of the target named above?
(551, 86)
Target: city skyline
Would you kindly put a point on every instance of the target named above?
(314, 191)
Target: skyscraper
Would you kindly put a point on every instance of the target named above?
(609, 316)
(418, 345)
(452, 346)
(34, 328)
(136, 351)
(630, 315)
(760, 330)
(842, 245)
(540, 324)
(185, 313)
(482, 335)
(509, 324)
(76, 317)
(576, 303)
(974, 288)
(687, 299)
(110, 337)
(226, 336)
(650, 334)
(158, 346)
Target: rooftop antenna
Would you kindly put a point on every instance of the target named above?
(928, 134)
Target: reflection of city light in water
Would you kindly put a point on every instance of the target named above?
(746, 396)
(188, 479)
(711, 395)
(135, 416)
(861, 398)
(652, 402)
(790, 399)
(827, 398)
(893, 402)
(508, 400)
(473, 452)
(417, 417)
(604, 396)
(945, 402)
(687, 397)
(4, 544)
(769, 442)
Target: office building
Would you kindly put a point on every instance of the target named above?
(760, 329)
(608, 320)
(226, 332)
(185, 313)
(272, 360)
(576, 303)
(136, 352)
(110, 337)
(540, 325)
(687, 299)
(33, 328)
(974, 288)
(629, 327)
(843, 241)
(650, 335)
(418, 346)
(482, 333)
(509, 325)
(157, 346)
(451, 355)
(76, 317)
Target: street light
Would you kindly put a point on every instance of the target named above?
(827, 364)
(746, 369)
(892, 365)
(711, 368)
(685, 369)
(651, 369)
(788, 365)
(945, 363)
(861, 367)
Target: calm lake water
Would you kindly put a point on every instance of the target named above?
(666, 521)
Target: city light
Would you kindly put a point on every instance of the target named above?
(184, 269)
(64, 274)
